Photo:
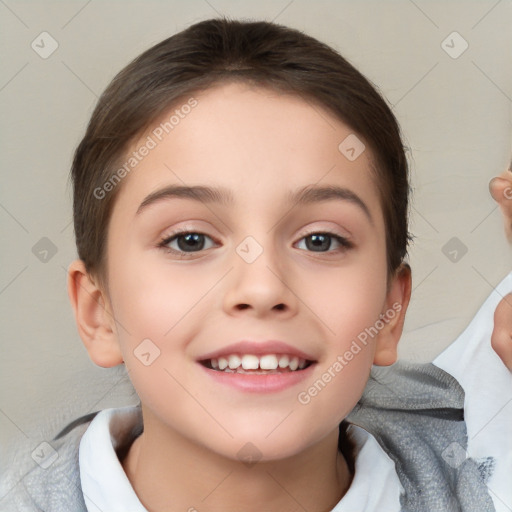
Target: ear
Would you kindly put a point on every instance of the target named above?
(93, 316)
(393, 316)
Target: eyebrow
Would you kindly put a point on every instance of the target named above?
(302, 196)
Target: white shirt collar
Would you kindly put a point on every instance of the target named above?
(375, 486)
(104, 483)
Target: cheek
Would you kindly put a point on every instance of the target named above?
(154, 308)
(150, 301)
(349, 300)
(349, 304)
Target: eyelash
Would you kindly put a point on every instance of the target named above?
(163, 244)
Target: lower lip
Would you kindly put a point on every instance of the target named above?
(271, 383)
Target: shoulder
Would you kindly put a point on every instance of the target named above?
(46, 477)
(416, 414)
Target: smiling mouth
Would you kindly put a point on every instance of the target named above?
(251, 364)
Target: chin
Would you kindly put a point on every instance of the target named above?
(268, 443)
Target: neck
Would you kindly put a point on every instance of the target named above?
(169, 473)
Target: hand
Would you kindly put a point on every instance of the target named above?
(501, 191)
(501, 339)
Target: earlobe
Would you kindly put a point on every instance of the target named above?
(93, 317)
(393, 317)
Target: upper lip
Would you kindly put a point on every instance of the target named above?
(258, 348)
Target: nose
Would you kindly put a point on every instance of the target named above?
(261, 282)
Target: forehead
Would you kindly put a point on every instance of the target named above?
(259, 143)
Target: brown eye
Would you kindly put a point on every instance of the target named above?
(185, 242)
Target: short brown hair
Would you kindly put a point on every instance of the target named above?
(220, 50)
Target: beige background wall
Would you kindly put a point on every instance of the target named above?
(455, 114)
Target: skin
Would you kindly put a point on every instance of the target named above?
(261, 145)
(500, 188)
(501, 339)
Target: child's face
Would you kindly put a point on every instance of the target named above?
(254, 274)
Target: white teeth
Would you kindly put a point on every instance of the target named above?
(284, 361)
(268, 362)
(234, 361)
(250, 362)
(272, 362)
(294, 364)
